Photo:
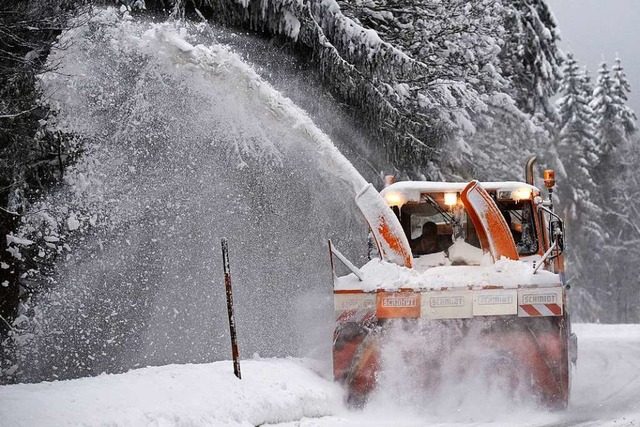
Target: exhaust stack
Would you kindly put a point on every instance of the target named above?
(528, 170)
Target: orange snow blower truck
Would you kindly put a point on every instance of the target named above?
(458, 262)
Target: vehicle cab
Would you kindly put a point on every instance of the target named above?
(417, 203)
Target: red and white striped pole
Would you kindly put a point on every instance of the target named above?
(232, 319)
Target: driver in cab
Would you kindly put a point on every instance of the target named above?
(427, 243)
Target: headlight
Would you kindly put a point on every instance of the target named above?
(450, 199)
(394, 199)
(521, 194)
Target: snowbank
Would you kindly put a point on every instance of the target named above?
(272, 390)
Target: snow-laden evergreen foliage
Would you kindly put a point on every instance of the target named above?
(613, 119)
(456, 39)
(576, 140)
(597, 148)
(438, 82)
(577, 149)
(531, 59)
(620, 88)
(615, 173)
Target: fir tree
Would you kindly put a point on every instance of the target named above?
(608, 133)
(576, 143)
(615, 173)
(614, 120)
(586, 90)
(620, 88)
(577, 150)
(531, 59)
(623, 208)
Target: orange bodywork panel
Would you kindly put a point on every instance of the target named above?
(493, 231)
(385, 227)
(403, 304)
(394, 241)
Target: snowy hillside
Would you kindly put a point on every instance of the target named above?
(605, 393)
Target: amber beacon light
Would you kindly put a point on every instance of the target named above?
(549, 178)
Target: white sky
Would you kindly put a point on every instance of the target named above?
(597, 30)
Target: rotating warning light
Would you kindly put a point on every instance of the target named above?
(549, 178)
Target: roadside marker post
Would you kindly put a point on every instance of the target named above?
(232, 319)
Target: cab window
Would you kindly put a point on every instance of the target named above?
(453, 222)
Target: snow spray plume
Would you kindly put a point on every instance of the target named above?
(447, 370)
(183, 144)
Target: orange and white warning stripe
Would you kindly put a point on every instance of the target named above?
(536, 302)
(535, 310)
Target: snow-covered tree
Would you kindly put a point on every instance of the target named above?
(614, 120)
(32, 160)
(456, 39)
(577, 150)
(576, 143)
(623, 203)
(620, 88)
(614, 173)
(531, 58)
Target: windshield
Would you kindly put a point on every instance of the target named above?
(519, 217)
(432, 227)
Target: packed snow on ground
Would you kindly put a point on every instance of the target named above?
(271, 390)
(293, 393)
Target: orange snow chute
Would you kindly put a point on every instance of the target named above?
(385, 227)
(493, 231)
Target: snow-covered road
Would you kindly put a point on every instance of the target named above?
(605, 392)
(606, 385)
(288, 393)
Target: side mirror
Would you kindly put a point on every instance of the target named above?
(556, 233)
